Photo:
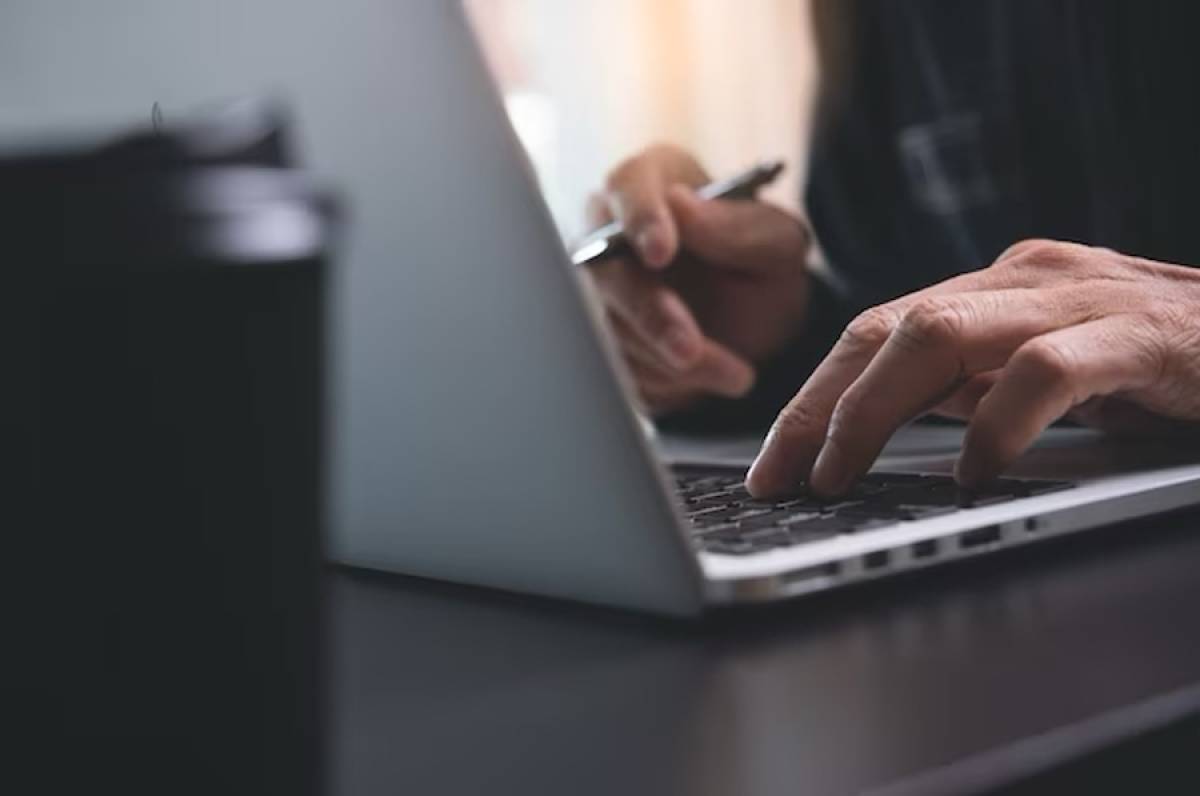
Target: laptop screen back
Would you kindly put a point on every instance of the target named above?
(478, 432)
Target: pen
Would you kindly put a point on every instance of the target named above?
(609, 240)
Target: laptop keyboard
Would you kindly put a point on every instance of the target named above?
(724, 518)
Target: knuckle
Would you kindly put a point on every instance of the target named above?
(624, 173)
(934, 322)
(1048, 255)
(870, 329)
(797, 421)
(1021, 247)
(1045, 361)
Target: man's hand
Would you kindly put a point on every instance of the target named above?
(1050, 329)
(718, 286)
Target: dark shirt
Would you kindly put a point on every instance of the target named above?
(948, 130)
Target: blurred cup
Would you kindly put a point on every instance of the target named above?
(163, 330)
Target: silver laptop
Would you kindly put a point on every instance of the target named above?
(482, 423)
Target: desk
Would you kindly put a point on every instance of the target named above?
(979, 674)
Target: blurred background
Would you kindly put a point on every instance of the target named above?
(589, 82)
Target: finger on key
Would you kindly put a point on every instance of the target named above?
(1043, 380)
(939, 344)
(798, 433)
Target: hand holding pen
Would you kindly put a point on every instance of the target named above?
(610, 241)
(699, 290)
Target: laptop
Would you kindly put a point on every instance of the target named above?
(482, 423)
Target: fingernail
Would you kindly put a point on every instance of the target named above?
(755, 479)
(679, 347)
(759, 474)
(652, 244)
(829, 473)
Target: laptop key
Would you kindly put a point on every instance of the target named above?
(820, 527)
(715, 494)
(760, 522)
(824, 527)
(881, 511)
(714, 529)
(922, 512)
(745, 513)
(718, 510)
(693, 509)
(845, 505)
(793, 518)
(892, 480)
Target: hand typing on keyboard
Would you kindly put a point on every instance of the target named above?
(1050, 329)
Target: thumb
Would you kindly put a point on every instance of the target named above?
(736, 233)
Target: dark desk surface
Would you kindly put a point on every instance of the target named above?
(967, 677)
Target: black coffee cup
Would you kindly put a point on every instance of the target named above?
(164, 323)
